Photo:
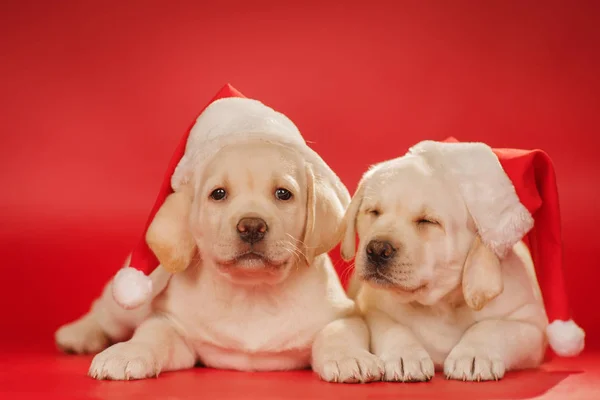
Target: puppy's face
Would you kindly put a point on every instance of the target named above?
(414, 229)
(249, 212)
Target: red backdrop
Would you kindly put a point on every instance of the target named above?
(95, 96)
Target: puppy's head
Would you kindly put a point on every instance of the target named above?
(416, 236)
(256, 211)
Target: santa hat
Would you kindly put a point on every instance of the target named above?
(512, 196)
(228, 119)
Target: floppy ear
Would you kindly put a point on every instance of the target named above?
(348, 226)
(482, 276)
(325, 211)
(169, 235)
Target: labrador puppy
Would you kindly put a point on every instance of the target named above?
(259, 290)
(434, 297)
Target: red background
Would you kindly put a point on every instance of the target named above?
(96, 94)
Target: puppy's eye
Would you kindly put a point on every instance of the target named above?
(218, 194)
(283, 194)
(374, 212)
(427, 221)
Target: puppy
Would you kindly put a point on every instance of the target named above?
(433, 295)
(259, 289)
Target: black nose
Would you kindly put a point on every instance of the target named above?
(380, 251)
(252, 230)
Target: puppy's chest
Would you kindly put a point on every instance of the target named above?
(438, 330)
(244, 320)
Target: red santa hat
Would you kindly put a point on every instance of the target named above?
(512, 196)
(229, 118)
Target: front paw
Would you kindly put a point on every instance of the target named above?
(467, 363)
(358, 366)
(414, 365)
(125, 361)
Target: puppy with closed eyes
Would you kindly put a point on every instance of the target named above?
(252, 217)
(438, 291)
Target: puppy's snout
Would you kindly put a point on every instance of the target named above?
(380, 252)
(252, 230)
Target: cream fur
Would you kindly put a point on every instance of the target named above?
(168, 235)
(488, 193)
(242, 314)
(445, 301)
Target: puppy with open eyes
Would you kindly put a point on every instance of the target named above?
(252, 217)
(445, 284)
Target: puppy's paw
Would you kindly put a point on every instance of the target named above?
(83, 336)
(415, 365)
(469, 364)
(358, 366)
(125, 361)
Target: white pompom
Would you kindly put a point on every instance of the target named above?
(566, 338)
(131, 288)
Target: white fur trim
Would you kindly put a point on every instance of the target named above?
(488, 193)
(131, 288)
(227, 121)
(566, 338)
(235, 120)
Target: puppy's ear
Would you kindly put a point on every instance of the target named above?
(348, 226)
(169, 235)
(482, 276)
(325, 210)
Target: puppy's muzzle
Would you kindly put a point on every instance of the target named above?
(380, 252)
(252, 230)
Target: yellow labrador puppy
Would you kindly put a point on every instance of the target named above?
(260, 212)
(435, 296)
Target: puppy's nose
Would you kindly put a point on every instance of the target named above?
(252, 230)
(380, 251)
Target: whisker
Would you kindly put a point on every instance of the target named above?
(294, 255)
(294, 250)
(300, 242)
(347, 272)
(298, 253)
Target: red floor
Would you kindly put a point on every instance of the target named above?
(56, 376)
